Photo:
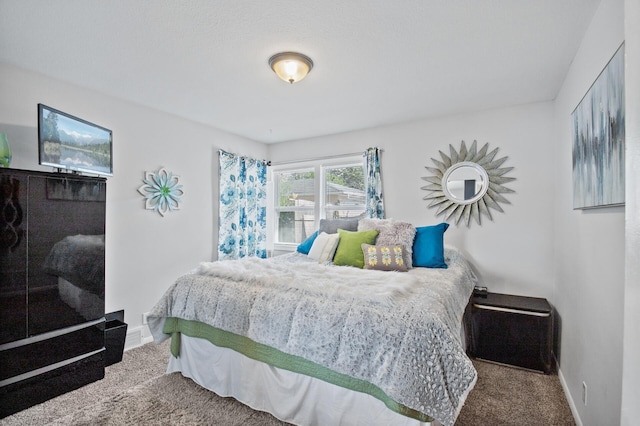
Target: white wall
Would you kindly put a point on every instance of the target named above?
(631, 340)
(145, 252)
(514, 252)
(589, 247)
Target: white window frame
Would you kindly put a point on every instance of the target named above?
(319, 167)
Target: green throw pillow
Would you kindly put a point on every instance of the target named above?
(349, 251)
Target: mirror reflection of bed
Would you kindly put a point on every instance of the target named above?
(78, 263)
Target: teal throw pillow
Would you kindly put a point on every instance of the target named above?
(349, 251)
(428, 246)
(305, 246)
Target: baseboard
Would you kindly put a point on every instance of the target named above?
(567, 394)
(137, 336)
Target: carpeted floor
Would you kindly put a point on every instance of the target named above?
(136, 391)
(511, 396)
(169, 400)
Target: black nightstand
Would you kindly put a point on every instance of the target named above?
(508, 329)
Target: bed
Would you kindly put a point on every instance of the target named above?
(316, 343)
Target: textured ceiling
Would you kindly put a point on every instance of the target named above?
(377, 62)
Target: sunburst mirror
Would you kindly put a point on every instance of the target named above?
(467, 183)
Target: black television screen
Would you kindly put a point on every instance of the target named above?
(70, 143)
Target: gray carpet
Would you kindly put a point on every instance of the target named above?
(169, 400)
(511, 396)
(136, 391)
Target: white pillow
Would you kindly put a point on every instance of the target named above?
(324, 247)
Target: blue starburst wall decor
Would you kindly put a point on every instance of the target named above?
(161, 191)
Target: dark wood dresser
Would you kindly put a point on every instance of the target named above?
(52, 321)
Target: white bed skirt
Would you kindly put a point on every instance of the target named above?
(291, 397)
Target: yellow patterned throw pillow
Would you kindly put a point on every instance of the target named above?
(384, 258)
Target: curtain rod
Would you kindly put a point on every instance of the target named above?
(327, 157)
(222, 151)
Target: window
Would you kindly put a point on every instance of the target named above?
(306, 193)
(295, 205)
(344, 195)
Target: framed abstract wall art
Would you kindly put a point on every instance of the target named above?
(598, 140)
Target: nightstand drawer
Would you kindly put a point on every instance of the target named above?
(512, 330)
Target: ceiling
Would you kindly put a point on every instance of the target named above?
(377, 62)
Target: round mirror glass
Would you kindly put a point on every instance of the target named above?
(465, 182)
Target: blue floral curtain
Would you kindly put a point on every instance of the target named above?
(243, 206)
(373, 185)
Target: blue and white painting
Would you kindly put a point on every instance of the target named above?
(598, 140)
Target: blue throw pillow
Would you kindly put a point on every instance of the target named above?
(305, 246)
(428, 246)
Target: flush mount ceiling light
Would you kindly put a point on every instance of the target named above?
(291, 66)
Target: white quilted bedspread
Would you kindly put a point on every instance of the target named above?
(398, 331)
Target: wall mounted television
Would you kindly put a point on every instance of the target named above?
(70, 143)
